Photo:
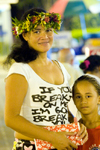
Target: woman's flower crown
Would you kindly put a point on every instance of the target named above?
(48, 20)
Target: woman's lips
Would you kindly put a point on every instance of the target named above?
(44, 43)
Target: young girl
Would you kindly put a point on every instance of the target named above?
(91, 65)
(35, 84)
(86, 96)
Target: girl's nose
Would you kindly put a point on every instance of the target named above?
(84, 100)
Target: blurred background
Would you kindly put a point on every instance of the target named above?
(80, 32)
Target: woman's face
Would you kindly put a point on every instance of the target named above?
(86, 97)
(40, 39)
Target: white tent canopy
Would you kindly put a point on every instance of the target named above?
(9, 1)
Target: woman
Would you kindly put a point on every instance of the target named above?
(37, 90)
(86, 96)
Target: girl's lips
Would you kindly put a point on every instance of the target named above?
(84, 107)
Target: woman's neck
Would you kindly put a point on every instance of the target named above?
(42, 60)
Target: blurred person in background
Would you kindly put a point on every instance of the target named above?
(67, 57)
(35, 83)
(86, 96)
(91, 65)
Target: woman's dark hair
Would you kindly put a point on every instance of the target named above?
(20, 51)
(95, 81)
(90, 63)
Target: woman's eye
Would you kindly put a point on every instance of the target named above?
(49, 30)
(36, 31)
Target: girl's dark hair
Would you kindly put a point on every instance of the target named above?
(94, 62)
(20, 51)
(95, 81)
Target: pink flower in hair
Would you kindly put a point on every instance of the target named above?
(87, 63)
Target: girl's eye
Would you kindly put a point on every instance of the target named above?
(77, 97)
(88, 96)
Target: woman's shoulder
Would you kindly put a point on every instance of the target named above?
(59, 64)
(62, 68)
(18, 64)
(19, 68)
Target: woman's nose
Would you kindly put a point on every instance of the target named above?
(44, 35)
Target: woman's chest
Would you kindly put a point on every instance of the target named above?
(51, 73)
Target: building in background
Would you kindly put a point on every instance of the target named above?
(6, 38)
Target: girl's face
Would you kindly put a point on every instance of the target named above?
(86, 97)
(40, 39)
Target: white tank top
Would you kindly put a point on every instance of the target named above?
(45, 103)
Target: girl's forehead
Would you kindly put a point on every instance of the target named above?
(83, 82)
(84, 85)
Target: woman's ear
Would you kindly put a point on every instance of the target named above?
(25, 36)
(98, 100)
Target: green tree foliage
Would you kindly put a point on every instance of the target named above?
(91, 21)
(23, 5)
(72, 23)
(26, 4)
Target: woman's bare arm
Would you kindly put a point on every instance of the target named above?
(15, 90)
